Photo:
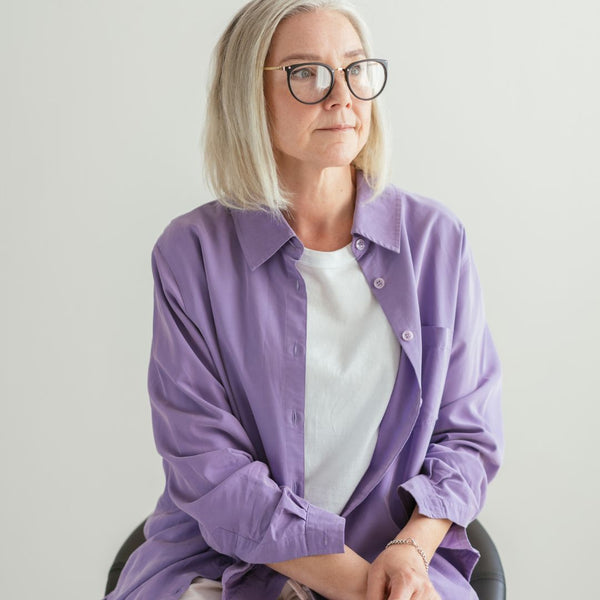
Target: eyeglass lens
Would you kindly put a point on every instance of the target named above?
(312, 82)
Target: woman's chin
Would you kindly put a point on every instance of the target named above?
(338, 159)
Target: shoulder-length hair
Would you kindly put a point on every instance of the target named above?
(239, 159)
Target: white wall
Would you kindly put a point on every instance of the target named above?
(494, 111)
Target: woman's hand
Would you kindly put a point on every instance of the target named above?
(398, 573)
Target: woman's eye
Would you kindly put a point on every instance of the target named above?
(303, 73)
(355, 71)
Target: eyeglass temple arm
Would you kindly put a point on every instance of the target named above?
(282, 68)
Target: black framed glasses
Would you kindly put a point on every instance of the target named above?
(312, 82)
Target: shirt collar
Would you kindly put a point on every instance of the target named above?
(263, 233)
(377, 218)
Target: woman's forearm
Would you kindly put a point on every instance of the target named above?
(344, 576)
(428, 533)
(335, 576)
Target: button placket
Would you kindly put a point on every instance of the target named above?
(293, 377)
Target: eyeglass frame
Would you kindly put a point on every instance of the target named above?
(332, 70)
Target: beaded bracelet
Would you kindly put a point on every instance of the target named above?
(411, 542)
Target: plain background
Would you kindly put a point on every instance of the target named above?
(494, 110)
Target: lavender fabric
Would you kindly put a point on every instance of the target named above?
(226, 382)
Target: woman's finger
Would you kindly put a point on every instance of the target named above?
(376, 585)
(412, 587)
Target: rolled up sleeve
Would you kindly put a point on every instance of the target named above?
(211, 466)
(466, 447)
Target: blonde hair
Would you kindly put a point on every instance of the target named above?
(239, 160)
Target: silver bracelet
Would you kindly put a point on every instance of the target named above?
(411, 542)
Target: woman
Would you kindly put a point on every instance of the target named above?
(324, 389)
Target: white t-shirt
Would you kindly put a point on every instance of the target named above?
(352, 358)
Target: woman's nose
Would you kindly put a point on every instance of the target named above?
(340, 94)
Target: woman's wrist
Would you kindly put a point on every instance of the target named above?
(427, 533)
(335, 576)
(409, 541)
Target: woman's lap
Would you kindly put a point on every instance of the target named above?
(206, 589)
(203, 589)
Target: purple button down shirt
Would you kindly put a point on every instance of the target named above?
(226, 381)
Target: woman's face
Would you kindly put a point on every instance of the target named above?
(333, 132)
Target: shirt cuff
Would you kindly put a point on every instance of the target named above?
(432, 505)
(324, 531)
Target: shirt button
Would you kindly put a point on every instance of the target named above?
(297, 350)
(379, 283)
(297, 285)
(360, 244)
(408, 335)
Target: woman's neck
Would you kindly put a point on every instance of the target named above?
(322, 209)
